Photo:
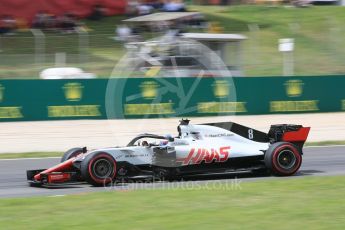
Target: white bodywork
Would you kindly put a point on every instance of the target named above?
(204, 138)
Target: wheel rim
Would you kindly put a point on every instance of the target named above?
(286, 159)
(102, 168)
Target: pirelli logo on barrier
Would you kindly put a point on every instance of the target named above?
(2, 93)
(222, 107)
(73, 92)
(12, 112)
(221, 90)
(149, 89)
(147, 109)
(8, 112)
(294, 106)
(74, 111)
(294, 89)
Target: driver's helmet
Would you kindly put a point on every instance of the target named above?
(144, 143)
(163, 143)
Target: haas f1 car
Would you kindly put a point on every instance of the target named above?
(198, 149)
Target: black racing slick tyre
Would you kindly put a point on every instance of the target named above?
(71, 153)
(98, 168)
(283, 159)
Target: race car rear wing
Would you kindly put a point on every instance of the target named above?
(296, 134)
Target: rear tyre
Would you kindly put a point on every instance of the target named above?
(98, 168)
(71, 153)
(283, 159)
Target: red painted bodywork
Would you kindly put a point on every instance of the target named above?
(64, 166)
(296, 136)
(59, 177)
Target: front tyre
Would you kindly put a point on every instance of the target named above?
(74, 152)
(283, 159)
(98, 168)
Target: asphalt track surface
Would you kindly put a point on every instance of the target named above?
(317, 161)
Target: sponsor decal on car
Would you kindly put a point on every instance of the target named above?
(219, 135)
(137, 155)
(198, 155)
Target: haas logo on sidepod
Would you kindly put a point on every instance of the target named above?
(196, 156)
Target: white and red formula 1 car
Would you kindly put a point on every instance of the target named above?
(198, 149)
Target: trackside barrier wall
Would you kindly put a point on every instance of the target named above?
(30, 100)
